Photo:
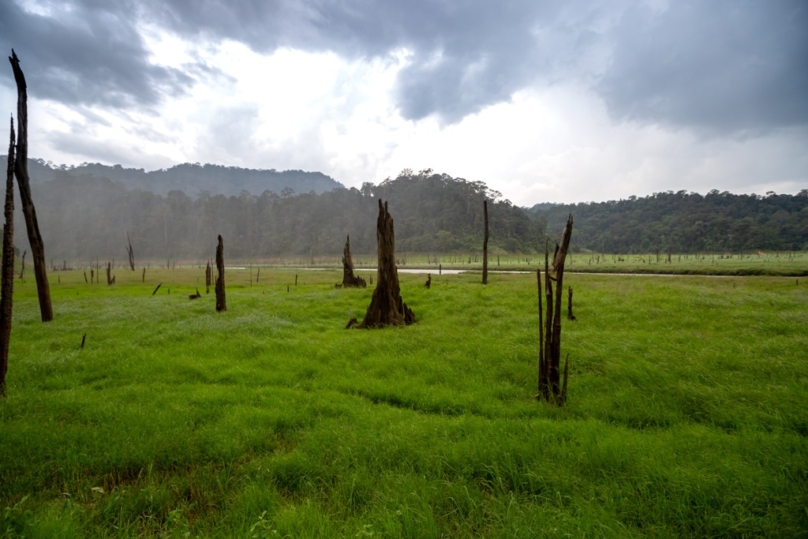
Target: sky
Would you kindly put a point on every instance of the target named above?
(543, 100)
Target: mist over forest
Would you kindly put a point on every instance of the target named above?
(86, 212)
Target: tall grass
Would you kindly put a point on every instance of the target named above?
(687, 412)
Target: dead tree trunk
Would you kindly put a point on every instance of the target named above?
(221, 303)
(348, 277)
(208, 278)
(386, 306)
(130, 252)
(109, 273)
(22, 268)
(7, 280)
(485, 243)
(21, 171)
(570, 316)
(550, 387)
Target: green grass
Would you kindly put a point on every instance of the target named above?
(786, 263)
(687, 412)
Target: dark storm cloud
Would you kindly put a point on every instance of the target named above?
(86, 54)
(723, 65)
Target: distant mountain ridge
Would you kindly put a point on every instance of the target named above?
(192, 178)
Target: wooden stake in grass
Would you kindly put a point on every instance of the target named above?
(7, 279)
(348, 277)
(485, 243)
(570, 316)
(221, 302)
(550, 388)
(109, 273)
(130, 252)
(28, 210)
(386, 306)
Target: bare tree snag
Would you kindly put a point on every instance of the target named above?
(109, 273)
(21, 171)
(221, 302)
(348, 277)
(485, 243)
(208, 278)
(570, 316)
(550, 388)
(7, 278)
(130, 252)
(386, 306)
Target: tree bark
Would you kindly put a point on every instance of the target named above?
(7, 280)
(386, 306)
(221, 302)
(485, 243)
(28, 210)
(348, 277)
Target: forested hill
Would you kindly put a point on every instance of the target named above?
(685, 222)
(192, 179)
(86, 217)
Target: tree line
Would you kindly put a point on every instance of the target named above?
(682, 222)
(84, 217)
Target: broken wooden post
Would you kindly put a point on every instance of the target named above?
(23, 181)
(208, 278)
(130, 252)
(570, 316)
(221, 303)
(386, 306)
(550, 388)
(348, 277)
(485, 243)
(7, 279)
(85, 278)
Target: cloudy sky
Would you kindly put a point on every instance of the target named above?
(544, 100)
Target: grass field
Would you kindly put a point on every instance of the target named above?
(794, 264)
(687, 412)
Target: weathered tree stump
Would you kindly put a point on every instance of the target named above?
(570, 316)
(221, 302)
(7, 278)
(485, 243)
(386, 306)
(23, 181)
(428, 282)
(130, 252)
(348, 277)
(109, 273)
(549, 383)
(208, 278)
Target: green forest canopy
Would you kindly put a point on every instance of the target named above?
(84, 216)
